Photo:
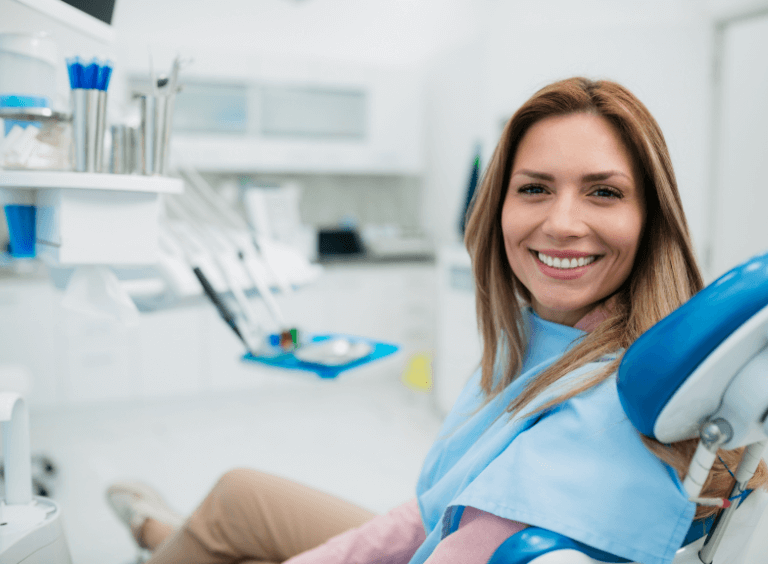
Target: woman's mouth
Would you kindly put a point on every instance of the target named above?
(565, 263)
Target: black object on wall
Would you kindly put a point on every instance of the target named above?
(474, 178)
(99, 9)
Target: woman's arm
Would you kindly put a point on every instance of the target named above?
(391, 538)
(477, 538)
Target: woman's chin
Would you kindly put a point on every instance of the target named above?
(563, 313)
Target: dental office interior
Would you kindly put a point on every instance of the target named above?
(338, 141)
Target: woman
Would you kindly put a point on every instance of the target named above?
(579, 244)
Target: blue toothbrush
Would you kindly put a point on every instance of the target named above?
(94, 76)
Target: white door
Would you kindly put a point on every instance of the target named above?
(740, 218)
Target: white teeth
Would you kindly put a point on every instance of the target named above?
(566, 263)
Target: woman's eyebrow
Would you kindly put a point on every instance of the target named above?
(598, 176)
(534, 174)
(592, 177)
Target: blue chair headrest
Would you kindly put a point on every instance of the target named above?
(660, 361)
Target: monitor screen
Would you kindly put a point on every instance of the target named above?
(99, 9)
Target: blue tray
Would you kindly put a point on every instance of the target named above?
(289, 361)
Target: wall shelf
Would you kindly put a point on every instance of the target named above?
(44, 179)
(92, 218)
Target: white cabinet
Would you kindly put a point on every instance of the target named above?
(381, 131)
(186, 351)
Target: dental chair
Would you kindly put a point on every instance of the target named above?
(30, 527)
(702, 371)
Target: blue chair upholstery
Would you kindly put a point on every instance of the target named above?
(658, 363)
(533, 542)
(530, 543)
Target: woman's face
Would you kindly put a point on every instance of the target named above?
(573, 215)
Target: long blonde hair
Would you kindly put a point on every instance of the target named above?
(665, 274)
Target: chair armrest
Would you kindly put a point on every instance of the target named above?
(542, 546)
(567, 556)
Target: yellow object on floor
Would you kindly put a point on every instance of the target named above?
(418, 374)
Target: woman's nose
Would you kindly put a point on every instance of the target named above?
(565, 218)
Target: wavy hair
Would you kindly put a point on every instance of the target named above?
(664, 276)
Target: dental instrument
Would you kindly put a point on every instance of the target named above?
(152, 79)
(226, 314)
(205, 191)
(221, 254)
(237, 230)
(246, 329)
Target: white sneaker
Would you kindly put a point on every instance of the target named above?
(134, 503)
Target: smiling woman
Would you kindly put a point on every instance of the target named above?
(581, 172)
(582, 167)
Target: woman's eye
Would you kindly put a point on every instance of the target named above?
(605, 192)
(531, 189)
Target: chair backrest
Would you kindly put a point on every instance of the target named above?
(675, 375)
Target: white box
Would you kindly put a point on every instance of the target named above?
(97, 227)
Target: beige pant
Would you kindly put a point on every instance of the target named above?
(252, 517)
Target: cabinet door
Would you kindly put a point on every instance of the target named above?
(740, 229)
(459, 347)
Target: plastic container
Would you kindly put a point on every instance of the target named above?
(27, 71)
(27, 65)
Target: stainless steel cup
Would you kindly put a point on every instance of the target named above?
(134, 158)
(155, 132)
(101, 126)
(89, 110)
(119, 155)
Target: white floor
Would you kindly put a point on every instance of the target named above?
(362, 437)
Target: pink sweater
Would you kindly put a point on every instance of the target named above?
(394, 537)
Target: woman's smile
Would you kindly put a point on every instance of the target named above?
(564, 265)
(573, 215)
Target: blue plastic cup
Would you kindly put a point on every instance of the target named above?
(21, 229)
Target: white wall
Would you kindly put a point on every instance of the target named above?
(455, 120)
(360, 31)
(660, 49)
